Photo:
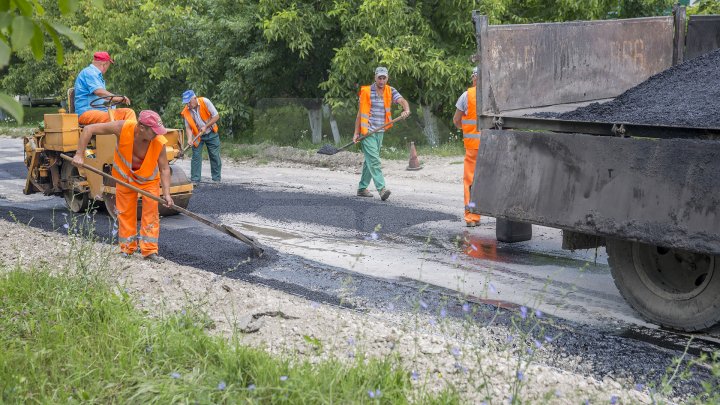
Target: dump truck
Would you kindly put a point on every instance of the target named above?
(650, 194)
(49, 174)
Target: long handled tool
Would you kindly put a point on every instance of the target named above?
(190, 144)
(257, 250)
(328, 149)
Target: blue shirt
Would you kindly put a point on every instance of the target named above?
(89, 80)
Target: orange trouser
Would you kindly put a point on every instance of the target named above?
(97, 116)
(126, 201)
(470, 159)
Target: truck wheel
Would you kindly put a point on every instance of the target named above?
(671, 287)
(75, 201)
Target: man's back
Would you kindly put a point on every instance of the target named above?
(89, 80)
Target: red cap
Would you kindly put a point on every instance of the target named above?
(103, 57)
(152, 119)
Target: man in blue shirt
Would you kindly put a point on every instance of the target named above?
(90, 85)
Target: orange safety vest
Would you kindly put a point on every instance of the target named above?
(366, 104)
(204, 114)
(122, 164)
(471, 135)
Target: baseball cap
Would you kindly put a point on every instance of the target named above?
(151, 119)
(103, 57)
(187, 96)
(381, 71)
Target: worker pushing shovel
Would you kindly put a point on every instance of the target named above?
(373, 118)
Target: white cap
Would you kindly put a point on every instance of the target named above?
(381, 71)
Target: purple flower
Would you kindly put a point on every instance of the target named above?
(423, 304)
(374, 236)
(432, 322)
(314, 305)
(538, 313)
(175, 375)
(520, 375)
(587, 402)
(283, 378)
(613, 399)
(351, 341)
(66, 226)
(443, 312)
(455, 351)
(183, 312)
(509, 338)
(414, 375)
(492, 288)
(251, 387)
(391, 306)
(351, 354)
(466, 307)
(558, 393)
(530, 351)
(221, 386)
(375, 394)
(371, 393)
(537, 343)
(548, 338)
(523, 312)
(639, 387)
(453, 257)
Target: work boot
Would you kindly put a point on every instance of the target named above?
(155, 258)
(471, 224)
(363, 192)
(384, 193)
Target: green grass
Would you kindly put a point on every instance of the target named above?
(71, 338)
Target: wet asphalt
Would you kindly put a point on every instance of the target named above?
(637, 353)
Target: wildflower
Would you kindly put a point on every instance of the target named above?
(537, 343)
(374, 236)
(548, 339)
(492, 289)
(221, 386)
(453, 257)
(466, 307)
(639, 387)
(66, 226)
(251, 387)
(175, 375)
(375, 394)
(558, 393)
(351, 341)
(530, 351)
(613, 399)
(414, 375)
(314, 305)
(538, 313)
(183, 312)
(351, 354)
(509, 338)
(391, 306)
(520, 375)
(455, 351)
(432, 322)
(423, 304)
(283, 378)
(523, 312)
(443, 312)
(587, 402)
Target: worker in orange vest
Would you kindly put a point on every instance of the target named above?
(375, 110)
(466, 119)
(90, 85)
(201, 127)
(141, 160)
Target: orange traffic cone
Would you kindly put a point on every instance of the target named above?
(414, 163)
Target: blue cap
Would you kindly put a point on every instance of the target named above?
(187, 96)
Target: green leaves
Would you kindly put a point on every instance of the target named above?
(13, 108)
(22, 32)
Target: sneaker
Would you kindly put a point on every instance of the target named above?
(471, 224)
(363, 192)
(384, 194)
(155, 258)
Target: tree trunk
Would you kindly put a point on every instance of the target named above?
(333, 124)
(430, 127)
(315, 116)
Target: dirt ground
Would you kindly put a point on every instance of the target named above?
(440, 350)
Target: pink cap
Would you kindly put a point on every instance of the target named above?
(103, 57)
(152, 119)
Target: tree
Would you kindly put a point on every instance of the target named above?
(24, 25)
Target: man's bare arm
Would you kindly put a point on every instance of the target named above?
(104, 93)
(457, 119)
(114, 127)
(165, 177)
(405, 106)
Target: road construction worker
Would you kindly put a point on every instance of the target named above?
(89, 85)
(201, 127)
(374, 113)
(466, 119)
(140, 160)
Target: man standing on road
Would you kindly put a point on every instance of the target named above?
(201, 126)
(89, 85)
(375, 112)
(466, 119)
(139, 154)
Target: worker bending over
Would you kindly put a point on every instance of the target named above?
(141, 160)
(375, 111)
(466, 119)
(90, 85)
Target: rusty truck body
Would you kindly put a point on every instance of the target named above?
(649, 193)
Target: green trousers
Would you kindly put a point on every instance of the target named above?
(372, 169)
(212, 140)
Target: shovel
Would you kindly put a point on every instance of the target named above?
(257, 250)
(328, 149)
(189, 145)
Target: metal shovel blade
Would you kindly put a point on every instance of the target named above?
(328, 149)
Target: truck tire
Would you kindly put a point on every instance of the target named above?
(671, 287)
(76, 202)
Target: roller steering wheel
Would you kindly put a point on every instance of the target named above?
(107, 101)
